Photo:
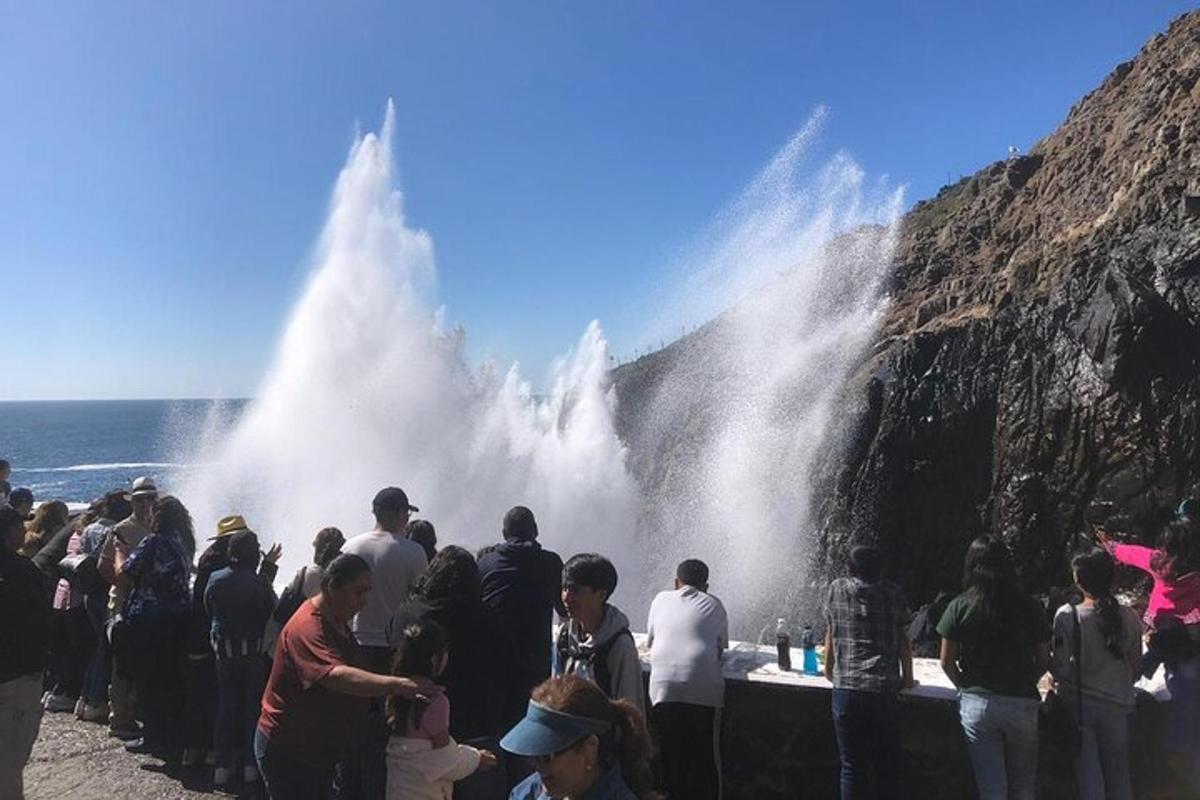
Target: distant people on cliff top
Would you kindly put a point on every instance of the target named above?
(24, 651)
(687, 631)
(595, 642)
(1173, 618)
(1097, 650)
(868, 659)
(995, 647)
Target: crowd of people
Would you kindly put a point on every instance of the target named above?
(390, 667)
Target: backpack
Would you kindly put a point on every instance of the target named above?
(289, 603)
(595, 659)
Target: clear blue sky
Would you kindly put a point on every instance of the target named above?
(166, 166)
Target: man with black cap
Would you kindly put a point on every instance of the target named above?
(523, 583)
(396, 563)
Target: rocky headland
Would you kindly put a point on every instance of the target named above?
(1038, 368)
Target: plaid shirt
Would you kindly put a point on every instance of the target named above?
(866, 621)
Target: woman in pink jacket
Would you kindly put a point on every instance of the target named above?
(1173, 617)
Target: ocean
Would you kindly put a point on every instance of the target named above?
(77, 450)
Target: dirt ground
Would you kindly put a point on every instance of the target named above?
(79, 761)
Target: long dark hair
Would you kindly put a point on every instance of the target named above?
(452, 577)
(1178, 550)
(989, 579)
(172, 518)
(1094, 569)
(421, 643)
(627, 742)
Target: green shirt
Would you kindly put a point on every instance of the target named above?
(997, 657)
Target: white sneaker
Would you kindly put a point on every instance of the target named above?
(249, 774)
(223, 776)
(59, 702)
(79, 706)
(93, 713)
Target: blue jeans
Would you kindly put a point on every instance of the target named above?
(1002, 741)
(868, 737)
(240, 682)
(1104, 761)
(1183, 730)
(288, 777)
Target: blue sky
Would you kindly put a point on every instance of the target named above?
(166, 166)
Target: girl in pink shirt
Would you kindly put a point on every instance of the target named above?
(423, 761)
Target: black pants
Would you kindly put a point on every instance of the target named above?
(153, 652)
(71, 651)
(689, 743)
(365, 777)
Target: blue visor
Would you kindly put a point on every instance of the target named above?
(544, 731)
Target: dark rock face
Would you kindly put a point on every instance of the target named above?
(1039, 367)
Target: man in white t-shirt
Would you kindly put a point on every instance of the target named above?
(687, 632)
(396, 564)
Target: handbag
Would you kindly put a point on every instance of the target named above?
(1054, 715)
(81, 571)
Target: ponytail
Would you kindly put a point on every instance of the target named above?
(1094, 570)
(627, 744)
(1110, 625)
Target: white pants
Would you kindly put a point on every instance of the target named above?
(20, 718)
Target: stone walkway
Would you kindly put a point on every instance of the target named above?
(78, 760)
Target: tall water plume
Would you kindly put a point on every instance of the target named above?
(368, 389)
(726, 425)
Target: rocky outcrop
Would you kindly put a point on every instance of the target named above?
(1039, 367)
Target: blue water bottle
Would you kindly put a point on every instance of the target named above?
(808, 643)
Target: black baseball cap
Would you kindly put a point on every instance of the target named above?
(392, 499)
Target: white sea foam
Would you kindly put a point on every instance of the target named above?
(368, 389)
(119, 465)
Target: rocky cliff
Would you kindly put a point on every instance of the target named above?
(1039, 364)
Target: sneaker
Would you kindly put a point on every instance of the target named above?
(79, 706)
(93, 713)
(249, 774)
(138, 747)
(59, 702)
(125, 734)
(222, 777)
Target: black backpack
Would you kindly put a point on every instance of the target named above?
(595, 657)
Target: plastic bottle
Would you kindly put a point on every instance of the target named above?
(808, 642)
(783, 645)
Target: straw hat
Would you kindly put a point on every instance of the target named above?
(230, 525)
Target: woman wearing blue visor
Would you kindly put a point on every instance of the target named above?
(585, 746)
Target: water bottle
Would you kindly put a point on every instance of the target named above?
(783, 645)
(583, 669)
(808, 642)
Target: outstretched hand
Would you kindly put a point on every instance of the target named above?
(487, 760)
(419, 688)
(274, 553)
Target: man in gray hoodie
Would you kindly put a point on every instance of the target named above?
(595, 643)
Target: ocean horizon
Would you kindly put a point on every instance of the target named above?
(76, 450)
